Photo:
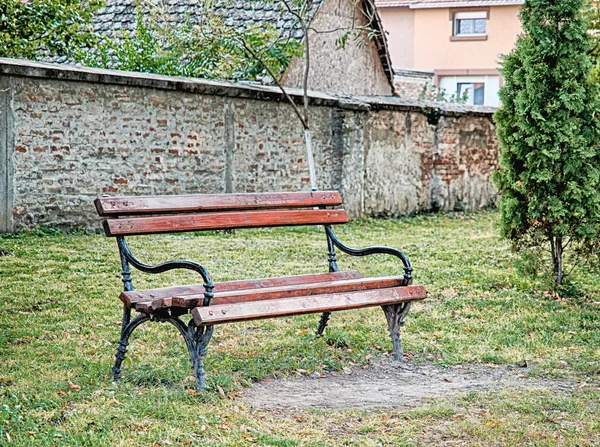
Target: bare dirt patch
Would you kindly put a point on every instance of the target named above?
(389, 385)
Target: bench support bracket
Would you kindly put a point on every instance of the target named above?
(395, 314)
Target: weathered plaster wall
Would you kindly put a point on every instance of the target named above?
(355, 70)
(70, 135)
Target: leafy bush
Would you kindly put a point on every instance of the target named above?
(32, 29)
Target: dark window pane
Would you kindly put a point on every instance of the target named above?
(479, 94)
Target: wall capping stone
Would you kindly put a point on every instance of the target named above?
(24, 68)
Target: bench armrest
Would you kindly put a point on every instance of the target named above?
(371, 251)
(166, 266)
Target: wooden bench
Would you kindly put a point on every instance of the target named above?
(227, 302)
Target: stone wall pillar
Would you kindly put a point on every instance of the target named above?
(349, 140)
(6, 155)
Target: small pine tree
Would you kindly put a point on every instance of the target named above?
(549, 174)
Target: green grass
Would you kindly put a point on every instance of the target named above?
(60, 317)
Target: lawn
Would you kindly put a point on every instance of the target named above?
(60, 318)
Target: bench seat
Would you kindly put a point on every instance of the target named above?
(336, 299)
(192, 295)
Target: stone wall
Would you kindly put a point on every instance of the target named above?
(69, 135)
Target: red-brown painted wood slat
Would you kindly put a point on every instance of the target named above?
(221, 221)
(254, 310)
(287, 291)
(121, 206)
(132, 298)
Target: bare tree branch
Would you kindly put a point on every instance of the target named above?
(275, 79)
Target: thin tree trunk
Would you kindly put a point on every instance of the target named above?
(311, 161)
(557, 260)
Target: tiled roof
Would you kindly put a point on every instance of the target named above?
(422, 4)
(119, 15)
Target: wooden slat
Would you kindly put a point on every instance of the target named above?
(121, 206)
(221, 221)
(131, 299)
(287, 291)
(254, 310)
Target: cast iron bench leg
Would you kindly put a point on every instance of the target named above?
(126, 330)
(323, 323)
(395, 314)
(197, 339)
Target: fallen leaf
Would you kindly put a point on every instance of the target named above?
(8, 437)
(221, 392)
(347, 370)
(187, 442)
(446, 379)
(192, 392)
(113, 401)
(73, 386)
(61, 392)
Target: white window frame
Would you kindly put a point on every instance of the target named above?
(468, 15)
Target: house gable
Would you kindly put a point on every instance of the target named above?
(361, 68)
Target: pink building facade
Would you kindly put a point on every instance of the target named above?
(460, 41)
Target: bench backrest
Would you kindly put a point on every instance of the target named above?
(195, 212)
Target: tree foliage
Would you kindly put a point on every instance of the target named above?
(206, 48)
(549, 175)
(32, 29)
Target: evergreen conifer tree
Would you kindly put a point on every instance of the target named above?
(549, 175)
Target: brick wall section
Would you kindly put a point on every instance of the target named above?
(415, 85)
(76, 134)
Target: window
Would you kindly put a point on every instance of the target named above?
(470, 23)
(472, 92)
